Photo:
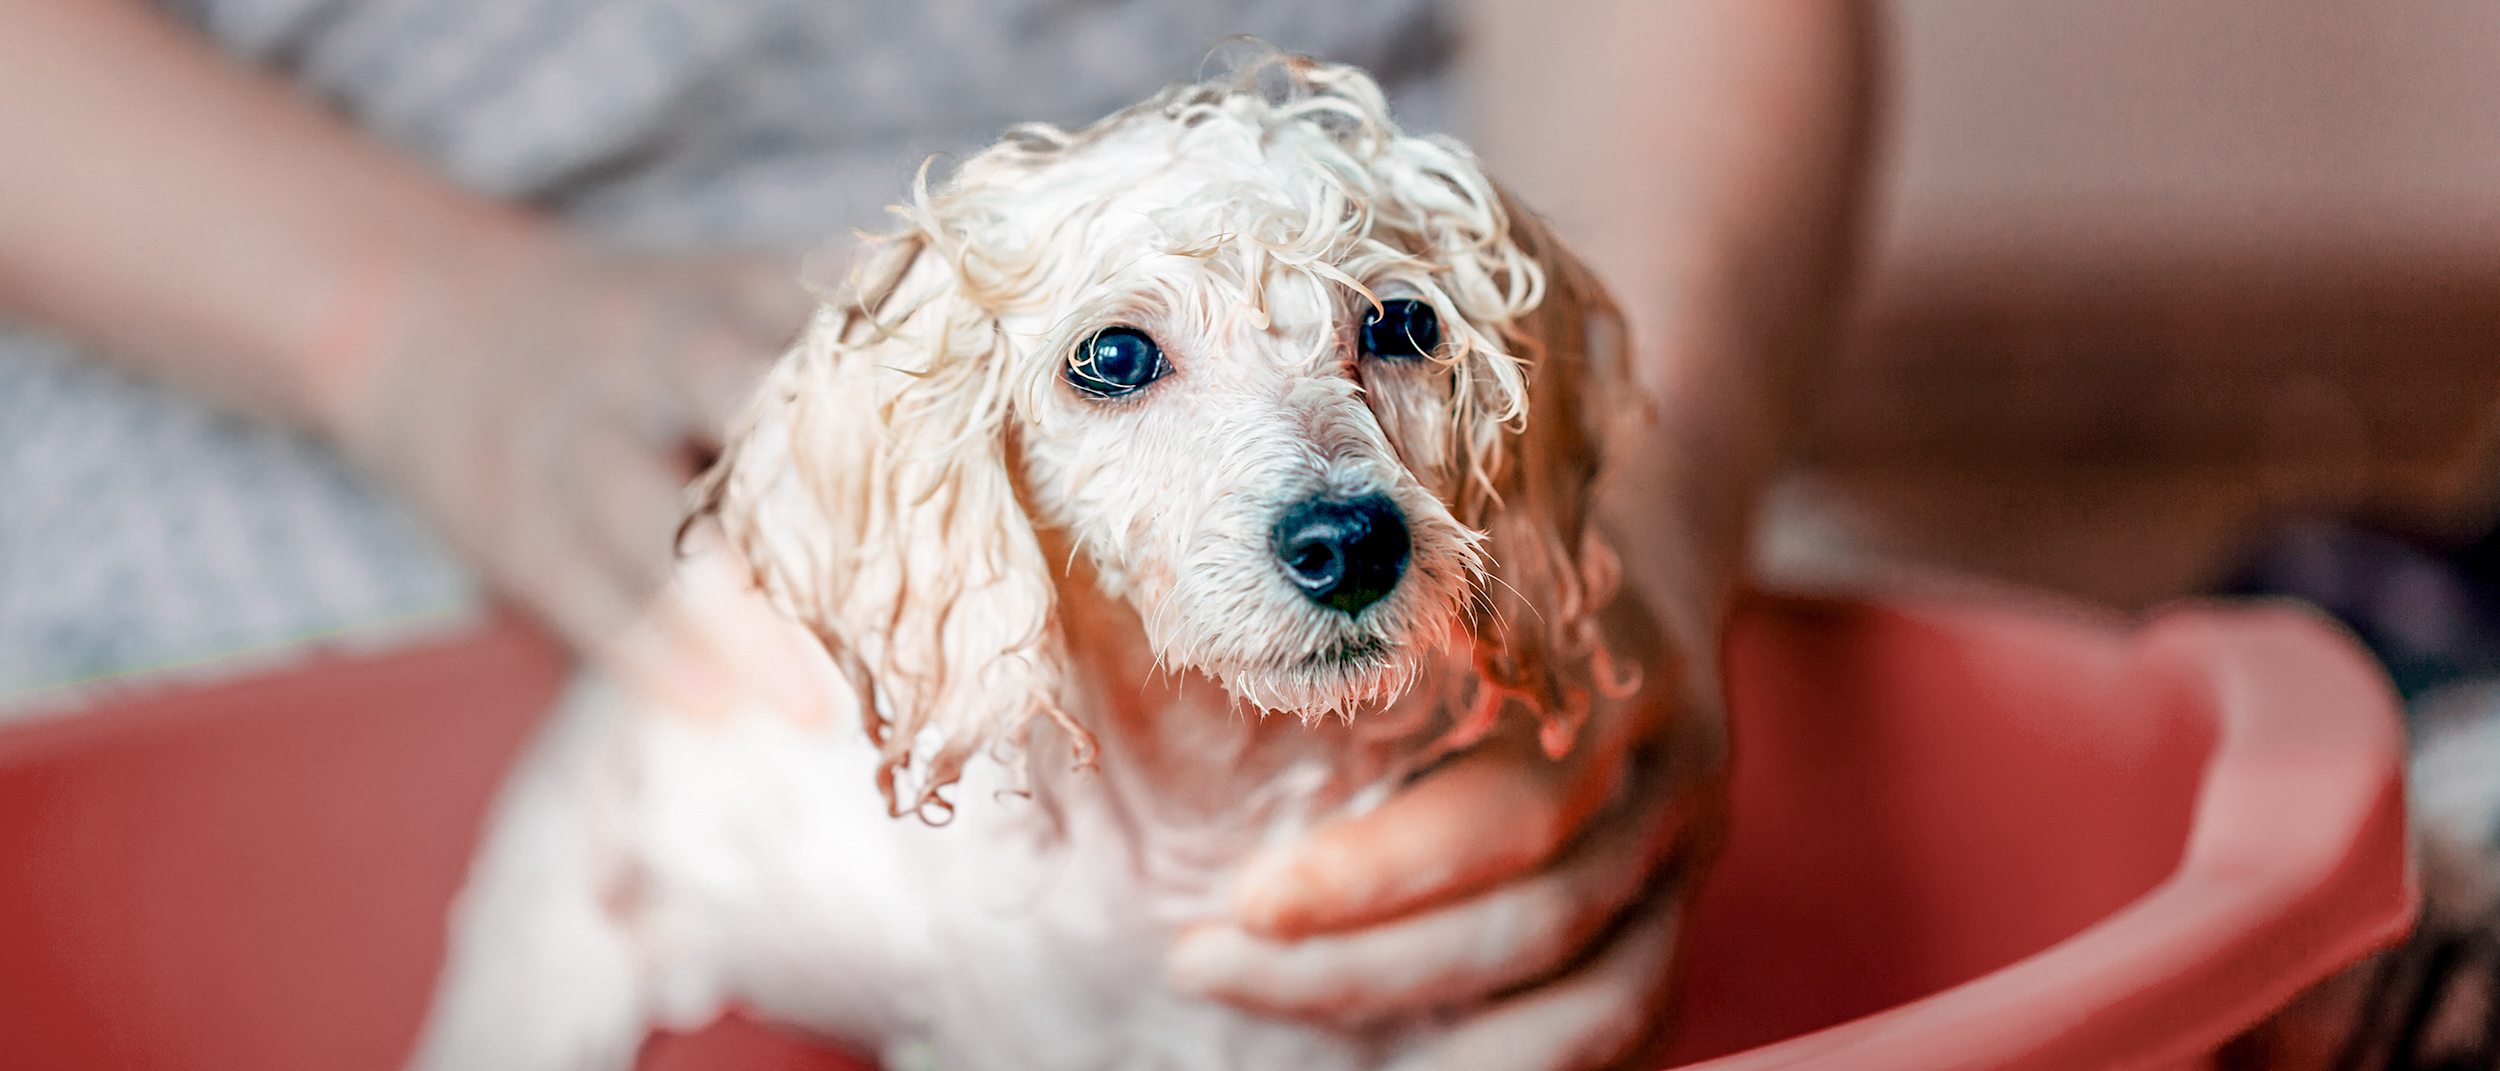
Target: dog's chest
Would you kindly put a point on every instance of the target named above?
(1022, 934)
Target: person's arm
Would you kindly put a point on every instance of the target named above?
(206, 223)
(214, 227)
(1706, 157)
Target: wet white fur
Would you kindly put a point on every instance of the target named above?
(1060, 618)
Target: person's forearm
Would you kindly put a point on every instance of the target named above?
(1706, 157)
(205, 222)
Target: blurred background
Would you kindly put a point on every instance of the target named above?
(2176, 298)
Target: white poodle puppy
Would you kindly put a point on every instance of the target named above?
(1237, 403)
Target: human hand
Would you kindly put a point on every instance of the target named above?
(544, 407)
(1544, 892)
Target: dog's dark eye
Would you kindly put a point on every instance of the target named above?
(1401, 327)
(1115, 361)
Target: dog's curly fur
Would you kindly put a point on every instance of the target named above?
(1002, 567)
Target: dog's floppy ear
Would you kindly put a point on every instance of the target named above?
(1538, 627)
(868, 487)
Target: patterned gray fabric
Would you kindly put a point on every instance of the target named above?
(141, 529)
(771, 123)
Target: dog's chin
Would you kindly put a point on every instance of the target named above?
(1347, 678)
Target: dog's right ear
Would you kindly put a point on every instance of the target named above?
(867, 485)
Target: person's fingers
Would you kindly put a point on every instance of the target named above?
(729, 324)
(627, 497)
(777, 661)
(573, 593)
(1523, 930)
(1485, 817)
(689, 640)
(716, 373)
(697, 639)
(706, 650)
(1594, 1018)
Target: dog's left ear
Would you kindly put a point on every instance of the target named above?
(1538, 629)
(868, 487)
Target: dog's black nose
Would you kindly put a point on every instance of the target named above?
(1340, 553)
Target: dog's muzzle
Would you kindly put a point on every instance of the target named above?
(1343, 554)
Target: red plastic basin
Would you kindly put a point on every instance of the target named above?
(1963, 838)
(1980, 838)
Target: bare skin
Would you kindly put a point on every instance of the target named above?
(211, 226)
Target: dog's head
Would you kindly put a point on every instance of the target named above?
(1311, 395)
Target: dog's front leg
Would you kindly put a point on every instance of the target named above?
(544, 971)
